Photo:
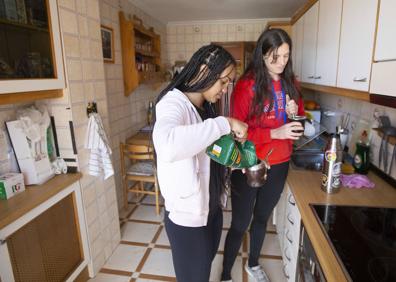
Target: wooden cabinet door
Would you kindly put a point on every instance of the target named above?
(328, 42)
(386, 32)
(309, 44)
(356, 44)
(297, 37)
(31, 49)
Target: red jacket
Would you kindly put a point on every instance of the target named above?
(259, 131)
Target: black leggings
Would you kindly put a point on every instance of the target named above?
(247, 201)
(194, 248)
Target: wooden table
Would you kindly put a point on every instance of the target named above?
(140, 138)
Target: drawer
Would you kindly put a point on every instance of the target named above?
(291, 242)
(289, 271)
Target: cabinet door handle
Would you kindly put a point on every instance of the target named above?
(289, 199)
(311, 76)
(289, 219)
(363, 79)
(318, 77)
(285, 272)
(287, 237)
(285, 252)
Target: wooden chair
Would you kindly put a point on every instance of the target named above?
(140, 169)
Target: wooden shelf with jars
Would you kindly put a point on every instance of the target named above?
(31, 59)
(141, 53)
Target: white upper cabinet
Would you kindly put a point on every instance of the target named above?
(309, 44)
(297, 37)
(328, 42)
(386, 33)
(356, 44)
(384, 67)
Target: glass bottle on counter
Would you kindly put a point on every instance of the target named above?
(150, 113)
(332, 165)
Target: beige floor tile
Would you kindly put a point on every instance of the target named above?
(125, 257)
(227, 216)
(125, 211)
(159, 262)
(236, 272)
(163, 238)
(147, 213)
(103, 277)
(138, 232)
(271, 245)
(150, 199)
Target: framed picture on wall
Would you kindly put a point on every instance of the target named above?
(107, 44)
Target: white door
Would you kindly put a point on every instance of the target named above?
(328, 42)
(385, 48)
(298, 32)
(356, 44)
(309, 44)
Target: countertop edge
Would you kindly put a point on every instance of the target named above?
(33, 196)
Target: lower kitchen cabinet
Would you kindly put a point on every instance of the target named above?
(48, 242)
(288, 223)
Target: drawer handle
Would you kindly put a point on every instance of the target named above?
(317, 77)
(285, 272)
(287, 237)
(292, 202)
(289, 219)
(363, 79)
(285, 252)
(311, 76)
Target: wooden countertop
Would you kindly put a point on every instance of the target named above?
(305, 186)
(17, 206)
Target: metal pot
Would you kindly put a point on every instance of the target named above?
(257, 174)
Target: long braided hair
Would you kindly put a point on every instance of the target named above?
(199, 74)
(269, 41)
(194, 78)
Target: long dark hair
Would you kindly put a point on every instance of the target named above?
(199, 74)
(194, 78)
(269, 41)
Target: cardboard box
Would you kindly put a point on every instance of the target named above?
(11, 184)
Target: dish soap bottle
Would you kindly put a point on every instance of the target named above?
(361, 160)
(332, 165)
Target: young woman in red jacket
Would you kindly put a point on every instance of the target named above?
(264, 97)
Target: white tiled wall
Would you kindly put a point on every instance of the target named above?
(126, 114)
(361, 112)
(184, 38)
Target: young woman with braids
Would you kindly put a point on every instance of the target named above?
(263, 98)
(192, 184)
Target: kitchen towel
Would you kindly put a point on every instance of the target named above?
(356, 181)
(96, 141)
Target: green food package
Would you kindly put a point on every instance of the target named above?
(232, 153)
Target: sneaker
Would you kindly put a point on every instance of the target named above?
(257, 273)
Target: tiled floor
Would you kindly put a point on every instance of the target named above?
(144, 253)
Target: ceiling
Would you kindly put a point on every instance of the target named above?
(168, 11)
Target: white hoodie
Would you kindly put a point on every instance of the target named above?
(180, 140)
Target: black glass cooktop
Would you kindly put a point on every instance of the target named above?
(363, 238)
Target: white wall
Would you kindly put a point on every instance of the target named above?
(184, 38)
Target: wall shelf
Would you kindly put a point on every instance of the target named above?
(141, 53)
